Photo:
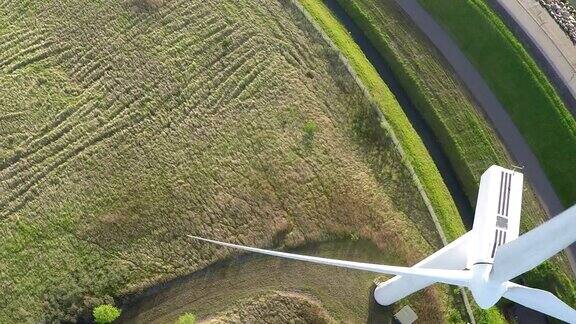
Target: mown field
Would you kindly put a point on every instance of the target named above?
(126, 125)
(521, 87)
(470, 143)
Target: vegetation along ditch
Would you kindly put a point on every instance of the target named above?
(416, 119)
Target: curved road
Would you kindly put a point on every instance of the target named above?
(491, 108)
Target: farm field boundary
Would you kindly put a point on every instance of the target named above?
(425, 173)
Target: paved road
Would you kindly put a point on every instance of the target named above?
(546, 41)
(491, 108)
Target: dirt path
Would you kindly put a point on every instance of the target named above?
(490, 106)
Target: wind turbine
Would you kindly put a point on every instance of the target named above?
(484, 259)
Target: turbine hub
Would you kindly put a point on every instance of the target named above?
(486, 292)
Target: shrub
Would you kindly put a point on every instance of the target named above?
(310, 128)
(105, 314)
(186, 318)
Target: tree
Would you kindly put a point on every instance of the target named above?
(105, 314)
(186, 318)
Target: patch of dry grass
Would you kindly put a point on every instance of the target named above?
(274, 307)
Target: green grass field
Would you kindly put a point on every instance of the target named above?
(519, 84)
(470, 143)
(126, 125)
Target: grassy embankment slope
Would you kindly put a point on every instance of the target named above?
(465, 135)
(519, 84)
(126, 125)
(412, 145)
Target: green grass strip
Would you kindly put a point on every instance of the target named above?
(523, 89)
(414, 149)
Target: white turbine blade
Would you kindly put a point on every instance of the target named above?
(531, 249)
(540, 300)
(453, 277)
(453, 256)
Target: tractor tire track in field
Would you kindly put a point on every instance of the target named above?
(73, 131)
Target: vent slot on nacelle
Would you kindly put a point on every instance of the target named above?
(502, 212)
